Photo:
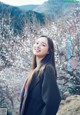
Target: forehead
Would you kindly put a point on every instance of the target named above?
(42, 39)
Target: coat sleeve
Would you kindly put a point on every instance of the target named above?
(50, 92)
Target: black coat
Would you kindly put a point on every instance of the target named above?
(43, 96)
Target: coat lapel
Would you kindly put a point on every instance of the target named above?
(34, 82)
(36, 78)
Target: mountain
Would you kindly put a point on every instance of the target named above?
(17, 18)
(55, 8)
(27, 7)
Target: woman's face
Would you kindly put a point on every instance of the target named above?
(40, 48)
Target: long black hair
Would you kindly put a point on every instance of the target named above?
(49, 58)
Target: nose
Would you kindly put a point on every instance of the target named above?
(38, 45)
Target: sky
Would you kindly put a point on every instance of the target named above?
(22, 2)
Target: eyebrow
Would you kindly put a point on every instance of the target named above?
(44, 43)
(41, 42)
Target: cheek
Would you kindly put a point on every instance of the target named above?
(45, 50)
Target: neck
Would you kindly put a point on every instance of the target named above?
(38, 60)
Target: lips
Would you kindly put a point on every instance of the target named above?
(38, 50)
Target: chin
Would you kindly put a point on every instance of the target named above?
(35, 53)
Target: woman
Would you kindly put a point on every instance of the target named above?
(40, 95)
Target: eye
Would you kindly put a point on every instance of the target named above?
(43, 44)
(37, 42)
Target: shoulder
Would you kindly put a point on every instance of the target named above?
(49, 67)
(50, 71)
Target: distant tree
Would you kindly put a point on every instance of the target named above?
(5, 97)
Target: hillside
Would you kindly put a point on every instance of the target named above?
(56, 8)
(17, 18)
(27, 7)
